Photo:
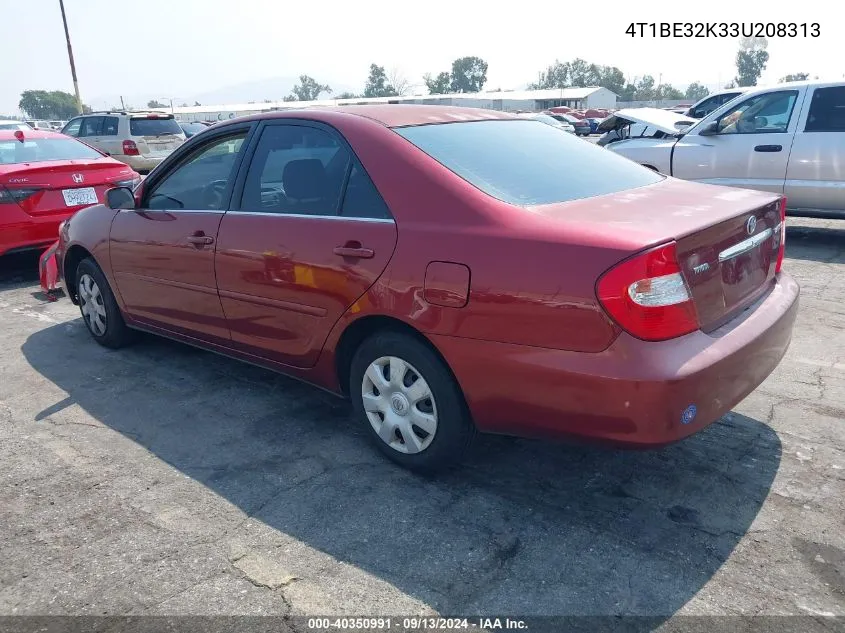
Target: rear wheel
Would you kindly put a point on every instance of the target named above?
(98, 306)
(409, 402)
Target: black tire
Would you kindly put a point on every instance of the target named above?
(115, 334)
(454, 427)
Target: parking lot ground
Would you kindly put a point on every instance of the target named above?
(161, 479)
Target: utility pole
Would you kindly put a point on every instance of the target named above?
(70, 57)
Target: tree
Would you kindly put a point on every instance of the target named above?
(555, 76)
(751, 59)
(438, 85)
(612, 78)
(155, 104)
(581, 74)
(377, 85)
(795, 77)
(695, 92)
(667, 92)
(54, 105)
(347, 95)
(399, 82)
(469, 74)
(645, 90)
(307, 90)
(628, 92)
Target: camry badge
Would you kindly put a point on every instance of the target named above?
(751, 225)
(78, 178)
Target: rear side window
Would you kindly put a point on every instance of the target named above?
(44, 149)
(527, 162)
(91, 126)
(827, 110)
(110, 124)
(158, 126)
(72, 128)
(296, 170)
(362, 199)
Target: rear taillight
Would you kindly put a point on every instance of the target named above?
(780, 232)
(130, 149)
(648, 297)
(8, 196)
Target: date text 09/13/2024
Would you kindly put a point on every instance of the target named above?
(724, 29)
(414, 623)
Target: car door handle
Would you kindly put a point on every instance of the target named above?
(200, 240)
(354, 249)
(768, 148)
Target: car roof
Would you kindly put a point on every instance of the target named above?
(9, 135)
(389, 115)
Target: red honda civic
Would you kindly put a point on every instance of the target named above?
(45, 177)
(449, 270)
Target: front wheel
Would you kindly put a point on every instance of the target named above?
(98, 306)
(410, 403)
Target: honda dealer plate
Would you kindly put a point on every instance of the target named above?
(83, 195)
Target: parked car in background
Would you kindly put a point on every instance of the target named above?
(788, 139)
(635, 123)
(705, 106)
(549, 119)
(46, 177)
(37, 124)
(594, 124)
(395, 253)
(11, 124)
(581, 127)
(140, 139)
(190, 128)
(57, 125)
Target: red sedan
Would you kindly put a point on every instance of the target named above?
(45, 177)
(450, 271)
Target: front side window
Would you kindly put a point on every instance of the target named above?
(201, 182)
(762, 114)
(827, 110)
(91, 126)
(72, 128)
(296, 170)
(526, 162)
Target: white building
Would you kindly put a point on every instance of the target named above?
(508, 101)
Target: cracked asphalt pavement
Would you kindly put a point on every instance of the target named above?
(161, 479)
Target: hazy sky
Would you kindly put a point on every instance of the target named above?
(184, 48)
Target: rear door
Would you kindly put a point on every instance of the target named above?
(90, 131)
(108, 140)
(310, 236)
(815, 177)
(162, 253)
(751, 148)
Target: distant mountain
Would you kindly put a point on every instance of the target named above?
(274, 89)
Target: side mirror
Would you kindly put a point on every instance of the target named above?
(710, 129)
(120, 198)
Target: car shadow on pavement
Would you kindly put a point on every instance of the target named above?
(525, 527)
(816, 243)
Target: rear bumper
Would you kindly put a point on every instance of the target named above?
(30, 234)
(141, 163)
(635, 393)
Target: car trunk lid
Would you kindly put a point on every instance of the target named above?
(727, 239)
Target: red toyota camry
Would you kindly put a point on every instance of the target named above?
(450, 271)
(45, 177)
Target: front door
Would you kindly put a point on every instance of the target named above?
(750, 149)
(310, 236)
(162, 253)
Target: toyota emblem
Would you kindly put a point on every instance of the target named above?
(78, 178)
(751, 225)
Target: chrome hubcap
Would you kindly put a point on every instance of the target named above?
(91, 303)
(399, 404)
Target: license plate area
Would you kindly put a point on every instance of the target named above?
(80, 196)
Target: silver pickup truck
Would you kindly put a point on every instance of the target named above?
(788, 139)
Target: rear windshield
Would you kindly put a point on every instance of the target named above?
(153, 127)
(527, 162)
(43, 149)
(192, 128)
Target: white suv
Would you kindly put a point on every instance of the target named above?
(140, 139)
